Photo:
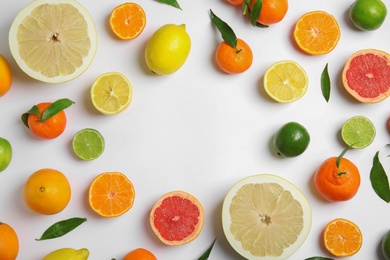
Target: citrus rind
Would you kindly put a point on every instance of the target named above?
(358, 132)
(295, 211)
(67, 44)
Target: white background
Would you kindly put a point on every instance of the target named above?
(198, 130)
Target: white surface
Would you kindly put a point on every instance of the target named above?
(197, 130)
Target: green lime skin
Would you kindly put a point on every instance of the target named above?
(386, 246)
(368, 15)
(5, 154)
(291, 140)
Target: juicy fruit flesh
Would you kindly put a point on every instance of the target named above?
(88, 144)
(358, 131)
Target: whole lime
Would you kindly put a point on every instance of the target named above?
(291, 140)
(168, 49)
(386, 245)
(368, 15)
(5, 154)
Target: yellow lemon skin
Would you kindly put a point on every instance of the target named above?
(68, 254)
(5, 76)
(168, 49)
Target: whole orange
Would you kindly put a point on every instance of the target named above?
(337, 183)
(5, 76)
(140, 254)
(235, 2)
(9, 242)
(234, 60)
(272, 11)
(47, 191)
(51, 127)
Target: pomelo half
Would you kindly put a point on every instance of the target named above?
(366, 75)
(265, 217)
(177, 218)
(53, 40)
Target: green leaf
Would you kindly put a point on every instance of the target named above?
(56, 107)
(325, 83)
(226, 31)
(379, 179)
(254, 13)
(319, 258)
(206, 254)
(173, 3)
(245, 6)
(61, 228)
(33, 111)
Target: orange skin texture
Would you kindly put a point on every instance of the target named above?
(235, 2)
(234, 60)
(9, 242)
(140, 254)
(272, 11)
(5, 76)
(334, 186)
(51, 127)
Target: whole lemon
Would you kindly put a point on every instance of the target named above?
(368, 15)
(47, 191)
(291, 140)
(5, 154)
(68, 254)
(168, 49)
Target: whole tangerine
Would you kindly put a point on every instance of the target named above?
(337, 183)
(234, 60)
(140, 254)
(9, 242)
(235, 2)
(272, 11)
(5, 76)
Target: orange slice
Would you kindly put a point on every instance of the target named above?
(111, 194)
(317, 32)
(342, 237)
(127, 21)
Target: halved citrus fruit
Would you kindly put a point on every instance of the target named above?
(342, 237)
(111, 194)
(53, 41)
(317, 32)
(127, 20)
(285, 81)
(88, 144)
(366, 75)
(111, 93)
(358, 132)
(177, 218)
(265, 217)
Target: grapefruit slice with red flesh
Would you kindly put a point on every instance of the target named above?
(366, 75)
(177, 218)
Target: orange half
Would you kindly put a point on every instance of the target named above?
(111, 194)
(127, 21)
(317, 32)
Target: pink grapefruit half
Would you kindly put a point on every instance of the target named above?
(366, 75)
(177, 218)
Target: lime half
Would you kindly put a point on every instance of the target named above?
(88, 144)
(5, 154)
(358, 132)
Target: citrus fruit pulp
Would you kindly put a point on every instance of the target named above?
(368, 14)
(177, 218)
(265, 217)
(53, 41)
(317, 32)
(234, 60)
(285, 81)
(111, 194)
(342, 237)
(9, 242)
(291, 140)
(88, 144)
(127, 20)
(358, 132)
(111, 93)
(5, 153)
(5, 76)
(366, 75)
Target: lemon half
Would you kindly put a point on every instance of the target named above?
(53, 40)
(265, 217)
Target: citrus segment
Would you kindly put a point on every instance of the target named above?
(177, 218)
(53, 41)
(358, 132)
(9, 242)
(366, 75)
(111, 93)
(111, 194)
(88, 144)
(285, 81)
(265, 217)
(317, 32)
(342, 237)
(5, 76)
(127, 21)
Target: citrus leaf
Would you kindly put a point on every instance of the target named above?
(61, 228)
(33, 111)
(206, 254)
(319, 258)
(255, 11)
(325, 83)
(379, 179)
(173, 3)
(245, 6)
(56, 107)
(226, 31)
